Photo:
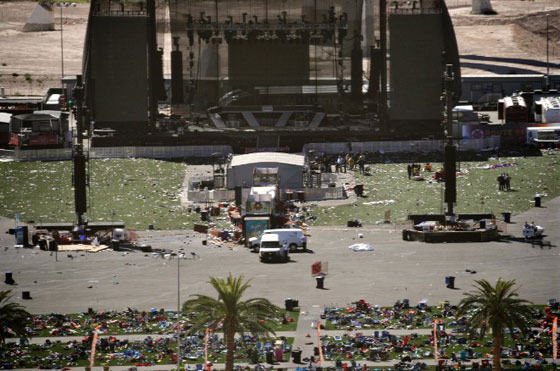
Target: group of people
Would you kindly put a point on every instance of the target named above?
(341, 162)
(350, 161)
(504, 182)
(413, 170)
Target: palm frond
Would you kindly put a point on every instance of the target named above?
(13, 316)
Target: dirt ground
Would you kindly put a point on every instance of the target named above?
(38, 54)
(513, 41)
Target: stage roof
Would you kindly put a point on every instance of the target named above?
(260, 157)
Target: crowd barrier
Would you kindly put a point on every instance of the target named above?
(61, 154)
(228, 195)
(402, 146)
(163, 152)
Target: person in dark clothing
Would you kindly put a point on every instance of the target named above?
(409, 170)
(362, 163)
(501, 182)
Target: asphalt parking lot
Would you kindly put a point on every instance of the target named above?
(395, 270)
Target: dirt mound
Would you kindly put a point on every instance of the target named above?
(536, 25)
(511, 42)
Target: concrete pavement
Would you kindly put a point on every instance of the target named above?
(395, 270)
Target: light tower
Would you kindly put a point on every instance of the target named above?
(450, 153)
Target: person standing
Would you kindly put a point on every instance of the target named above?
(409, 170)
(350, 161)
(362, 163)
(341, 163)
(507, 184)
(500, 180)
(327, 164)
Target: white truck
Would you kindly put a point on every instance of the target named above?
(272, 249)
(293, 237)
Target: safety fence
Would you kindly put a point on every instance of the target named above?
(228, 195)
(402, 146)
(329, 193)
(61, 154)
(55, 154)
(159, 151)
(215, 195)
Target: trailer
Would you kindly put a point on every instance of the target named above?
(41, 129)
(515, 109)
(543, 136)
(550, 110)
(4, 129)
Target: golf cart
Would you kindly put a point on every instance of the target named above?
(532, 231)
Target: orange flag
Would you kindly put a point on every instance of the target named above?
(92, 358)
(554, 338)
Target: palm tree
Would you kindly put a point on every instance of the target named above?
(232, 314)
(13, 317)
(496, 308)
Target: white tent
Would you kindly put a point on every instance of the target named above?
(290, 166)
(42, 18)
(5, 117)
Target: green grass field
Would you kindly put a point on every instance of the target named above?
(115, 323)
(477, 190)
(139, 192)
(144, 192)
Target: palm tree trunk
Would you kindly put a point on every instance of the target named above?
(496, 362)
(230, 347)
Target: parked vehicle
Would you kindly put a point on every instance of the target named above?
(292, 237)
(272, 249)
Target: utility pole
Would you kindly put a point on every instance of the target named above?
(62, 49)
(547, 61)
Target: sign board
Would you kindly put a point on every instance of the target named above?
(259, 207)
(319, 269)
(265, 176)
(254, 226)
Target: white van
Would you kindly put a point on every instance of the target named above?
(271, 248)
(292, 237)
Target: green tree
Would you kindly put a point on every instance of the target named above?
(13, 317)
(229, 312)
(496, 308)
